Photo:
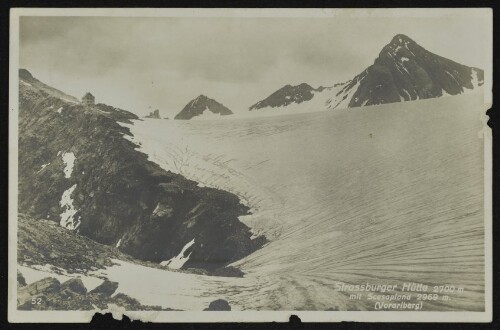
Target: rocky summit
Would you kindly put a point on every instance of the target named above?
(203, 106)
(287, 95)
(405, 71)
(154, 114)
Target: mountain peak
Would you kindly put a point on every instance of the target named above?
(286, 95)
(405, 71)
(400, 45)
(202, 106)
(25, 74)
(401, 39)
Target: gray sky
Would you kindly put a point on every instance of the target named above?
(140, 64)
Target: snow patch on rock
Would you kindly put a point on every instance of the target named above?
(475, 79)
(166, 288)
(207, 114)
(343, 95)
(69, 162)
(69, 211)
(178, 261)
(407, 94)
(42, 167)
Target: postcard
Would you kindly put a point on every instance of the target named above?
(244, 165)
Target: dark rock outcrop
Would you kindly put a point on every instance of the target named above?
(199, 105)
(228, 271)
(218, 305)
(116, 114)
(41, 242)
(107, 288)
(155, 114)
(21, 281)
(74, 285)
(46, 285)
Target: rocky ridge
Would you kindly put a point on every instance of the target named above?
(77, 169)
(287, 95)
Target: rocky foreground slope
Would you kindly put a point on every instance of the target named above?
(76, 169)
(50, 294)
(43, 242)
(74, 271)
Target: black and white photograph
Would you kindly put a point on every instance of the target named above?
(195, 165)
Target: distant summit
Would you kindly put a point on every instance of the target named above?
(405, 71)
(203, 107)
(286, 95)
(155, 114)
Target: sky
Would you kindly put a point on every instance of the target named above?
(146, 63)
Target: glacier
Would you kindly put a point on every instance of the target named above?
(344, 196)
(389, 194)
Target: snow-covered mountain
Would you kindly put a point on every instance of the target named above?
(203, 107)
(287, 95)
(79, 167)
(403, 71)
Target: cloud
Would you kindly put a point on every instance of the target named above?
(164, 62)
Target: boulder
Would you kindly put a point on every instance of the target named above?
(218, 305)
(228, 271)
(75, 285)
(21, 281)
(44, 287)
(162, 211)
(106, 288)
